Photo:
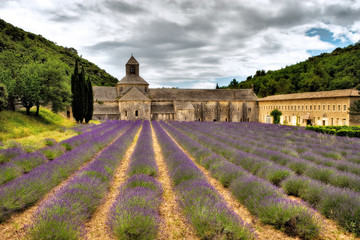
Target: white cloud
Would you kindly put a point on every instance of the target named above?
(184, 42)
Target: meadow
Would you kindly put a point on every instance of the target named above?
(183, 180)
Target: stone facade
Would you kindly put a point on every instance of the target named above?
(316, 108)
(132, 99)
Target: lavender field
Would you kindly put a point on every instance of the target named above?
(183, 180)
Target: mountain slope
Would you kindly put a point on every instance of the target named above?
(339, 69)
(18, 47)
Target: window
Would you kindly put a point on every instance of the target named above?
(299, 107)
(291, 107)
(125, 113)
(324, 107)
(333, 107)
(337, 121)
(302, 107)
(314, 107)
(310, 107)
(132, 70)
(306, 107)
(249, 109)
(136, 113)
(345, 108)
(344, 121)
(329, 107)
(339, 107)
(319, 108)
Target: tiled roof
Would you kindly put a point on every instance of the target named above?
(132, 79)
(162, 108)
(104, 93)
(308, 95)
(173, 94)
(132, 61)
(134, 95)
(104, 109)
(184, 105)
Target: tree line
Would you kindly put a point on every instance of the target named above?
(339, 69)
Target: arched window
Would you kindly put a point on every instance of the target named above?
(125, 113)
(136, 113)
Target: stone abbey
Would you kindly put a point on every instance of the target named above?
(132, 99)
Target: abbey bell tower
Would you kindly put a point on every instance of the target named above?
(132, 79)
(132, 67)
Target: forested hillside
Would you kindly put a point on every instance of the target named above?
(328, 71)
(19, 48)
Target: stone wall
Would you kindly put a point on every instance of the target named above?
(321, 111)
(134, 110)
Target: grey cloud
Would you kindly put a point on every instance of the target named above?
(64, 18)
(209, 31)
(123, 7)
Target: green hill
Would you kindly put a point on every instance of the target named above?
(339, 69)
(18, 47)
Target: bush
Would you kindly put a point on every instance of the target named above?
(349, 131)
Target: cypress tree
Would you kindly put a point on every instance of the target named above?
(82, 96)
(90, 101)
(82, 103)
(75, 92)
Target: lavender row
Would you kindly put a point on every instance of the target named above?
(10, 153)
(333, 202)
(135, 213)
(332, 147)
(29, 188)
(325, 174)
(328, 146)
(321, 155)
(256, 165)
(339, 204)
(19, 162)
(263, 199)
(204, 207)
(76, 141)
(63, 215)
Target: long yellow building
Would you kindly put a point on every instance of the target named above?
(315, 108)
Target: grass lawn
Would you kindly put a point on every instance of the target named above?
(30, 131)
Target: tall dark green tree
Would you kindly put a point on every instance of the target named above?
(90, 101)
(217, 86)
(82, 103)
(76, 91)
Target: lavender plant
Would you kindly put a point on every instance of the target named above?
(203, 206)
(63, 216)
(342, 205)
(29, 188)
(135, 214)
(10, 153)
(261, 198)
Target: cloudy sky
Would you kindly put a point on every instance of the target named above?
(191, 43)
